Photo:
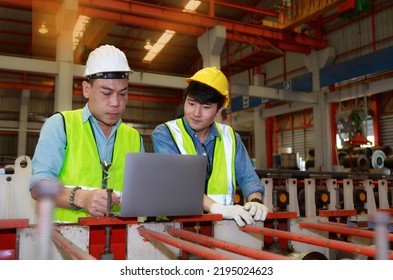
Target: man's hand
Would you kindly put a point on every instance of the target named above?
(95, 202)
(257, 210)
(233, 212)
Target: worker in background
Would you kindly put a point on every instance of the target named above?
(78, 148)
(228, 162)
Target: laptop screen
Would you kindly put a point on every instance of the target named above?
(163, 185)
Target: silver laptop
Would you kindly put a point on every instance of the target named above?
(163, 185)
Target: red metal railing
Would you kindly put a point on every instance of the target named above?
(318, 241)
(184, 245)
(70, 247)
(341, 228)
(231, 247)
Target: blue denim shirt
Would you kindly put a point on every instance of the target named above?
(50, 150)
(246, 177)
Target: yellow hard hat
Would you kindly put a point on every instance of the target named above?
(214, 78)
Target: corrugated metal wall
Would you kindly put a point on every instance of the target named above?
(300, 141)
(386, 123)
(294, 64)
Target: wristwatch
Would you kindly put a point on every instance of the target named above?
(256, 200)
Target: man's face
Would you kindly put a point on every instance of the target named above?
(200, 116)
(107, 99)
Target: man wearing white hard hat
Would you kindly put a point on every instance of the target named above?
(229, 164)
(81, 150)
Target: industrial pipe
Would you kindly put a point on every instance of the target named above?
(318, 241)
(356, 162)
(341, 228)
(70, 247)
(231, 247)
(184, 245)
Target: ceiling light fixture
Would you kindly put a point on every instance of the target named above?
(148, 45)
(191, 6)
(161, 43)
(79, 29)
(43, 29)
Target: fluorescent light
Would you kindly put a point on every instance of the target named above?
(192, 5)
(79, 29)
(159, 45)
(164, 39)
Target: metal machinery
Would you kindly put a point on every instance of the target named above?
(314, 215)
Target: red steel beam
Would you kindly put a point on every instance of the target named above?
(337, 228)
(246, 8)
(337, 213)
(184, 245)
(200, 218)
(14, 223)
(318, 241)
(104, 221)
(137, 13)
(281, 215)
(70, 247)
(231, 247)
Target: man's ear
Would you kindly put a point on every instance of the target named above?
(86, 88)
(219, 111)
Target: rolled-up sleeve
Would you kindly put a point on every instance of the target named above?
(50, 151)
(246, 176)
(162, 141)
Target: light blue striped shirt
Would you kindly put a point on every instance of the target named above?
(50, 150)
(246, 176)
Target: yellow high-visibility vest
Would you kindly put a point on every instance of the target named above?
(82, 165)
(222, 181)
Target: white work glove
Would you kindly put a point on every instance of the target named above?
(257, 210)
(232, 212)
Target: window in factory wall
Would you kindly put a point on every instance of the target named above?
(294, 146)
(293, 140)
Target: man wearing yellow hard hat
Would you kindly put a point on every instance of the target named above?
(229, 164)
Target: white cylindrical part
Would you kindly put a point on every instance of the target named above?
(44, 229)
(381, 235)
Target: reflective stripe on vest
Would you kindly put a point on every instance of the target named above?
(82, 165)
(220, 188)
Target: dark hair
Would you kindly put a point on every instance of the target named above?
(91, 81)
(205, 94)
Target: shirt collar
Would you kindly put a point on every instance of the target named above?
(213, 132)
(86, 114)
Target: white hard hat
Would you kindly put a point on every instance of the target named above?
(107, 62)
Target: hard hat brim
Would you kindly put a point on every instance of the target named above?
(110, 75)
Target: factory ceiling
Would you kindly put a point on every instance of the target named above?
(256, 31)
